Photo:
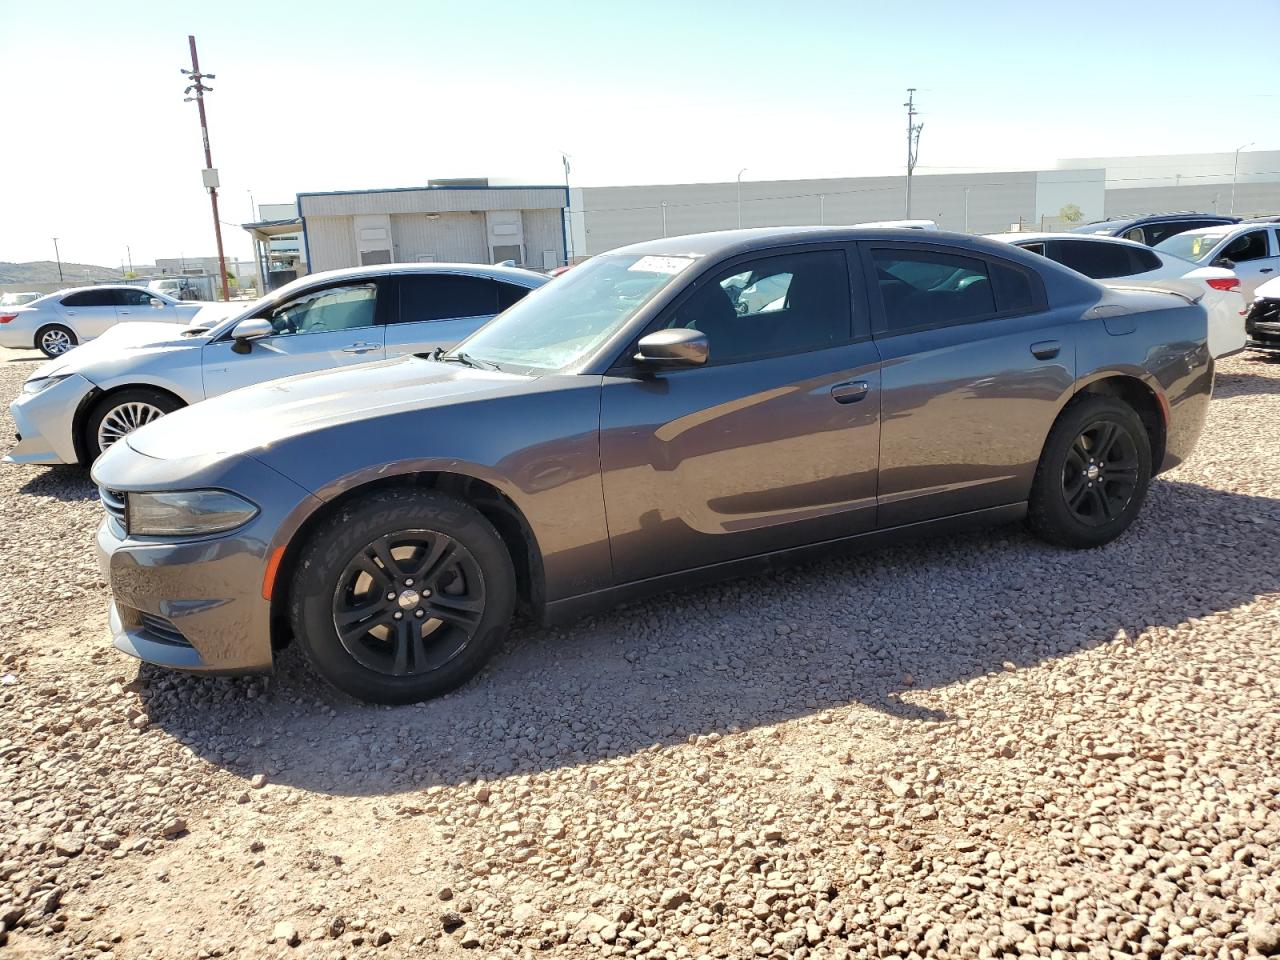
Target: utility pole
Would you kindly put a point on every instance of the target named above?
(210, 175)
(913, 141)
(1235, 170)
(568, 213)
(966, 209)
(129, 254)
(740, 173)
(58, 257)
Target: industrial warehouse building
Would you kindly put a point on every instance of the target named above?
(449, 221)
(479, 221)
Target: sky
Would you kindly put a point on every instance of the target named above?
(100, 150)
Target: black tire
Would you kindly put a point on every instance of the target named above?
(1093, 474)
(53, 340)
(145, 404)
(373, 657)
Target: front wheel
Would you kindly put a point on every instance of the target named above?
(402, 596)
(1093, 474)
(118, 415)
(55, 340)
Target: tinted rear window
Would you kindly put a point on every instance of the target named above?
(1095, 259)
(446, 296)
(90, 298)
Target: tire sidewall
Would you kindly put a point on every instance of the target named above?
(48, 328)
(1050, 517)
(331, 547)
(104, 406)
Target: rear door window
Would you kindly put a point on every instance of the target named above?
(1096, 259)
(133, 298)
(921, 288)
(444, 296)
(90, 298)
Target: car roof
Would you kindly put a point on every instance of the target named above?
(726, 243)
(1077, 237)
(1124, 222)
(491, 271)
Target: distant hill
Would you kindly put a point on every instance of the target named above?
(46, 271)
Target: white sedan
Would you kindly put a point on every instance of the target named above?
(75, 406)
(55, 323)
(1118, 262)
(1250, 250)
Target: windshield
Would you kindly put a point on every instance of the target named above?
(1192, 245)
(562, 322)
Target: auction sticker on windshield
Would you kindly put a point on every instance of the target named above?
(667, 265)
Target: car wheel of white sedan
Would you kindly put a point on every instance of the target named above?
(121, 413)
(55, 340)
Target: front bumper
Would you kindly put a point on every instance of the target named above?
(194, 603)
(190, 606)
(1262, 326)
(45, 422)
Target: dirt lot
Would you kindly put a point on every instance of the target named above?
(975, 747)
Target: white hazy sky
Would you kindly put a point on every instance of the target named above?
(100, 150)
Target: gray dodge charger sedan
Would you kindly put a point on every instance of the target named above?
(669, 413)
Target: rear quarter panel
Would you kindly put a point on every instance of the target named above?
(1161, 341)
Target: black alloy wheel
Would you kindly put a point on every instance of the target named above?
(409, 602)
(401, 594)
(1100, 475)
(1093, 473)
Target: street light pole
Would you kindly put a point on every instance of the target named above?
(58, 257)
(966, 209)
(664, 218)
(1235, 170)
(822, 213)
(740, 173)
(198, 86)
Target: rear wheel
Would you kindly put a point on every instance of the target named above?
(54, 340)
(119, 414)
(402, 596)
(1093, 474)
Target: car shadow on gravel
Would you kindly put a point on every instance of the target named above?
(68, 484)
(877, 629)
(1246, 384)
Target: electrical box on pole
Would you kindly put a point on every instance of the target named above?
(210, 176)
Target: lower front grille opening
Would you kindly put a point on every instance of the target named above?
(161, 630)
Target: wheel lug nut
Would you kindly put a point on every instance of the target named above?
(409, 582)
(391, 596)
(418, 613)
(398, 615)
(426, 593)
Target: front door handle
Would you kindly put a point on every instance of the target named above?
(850, 392)
(360, 347)
(1046, 349)
(1267, 270)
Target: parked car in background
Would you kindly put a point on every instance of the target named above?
(1263, 321)
(73, 408)
(17, 299)
(179, 288)
(55, 323)
(1250, 250)
(1126, 262)
(1156, 227)
(627, 429)
(1268, 218)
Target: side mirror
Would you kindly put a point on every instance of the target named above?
(673, 348)
(248, 330)
(157, 303)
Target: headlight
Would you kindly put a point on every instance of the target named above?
(186, 513)
(42, 383)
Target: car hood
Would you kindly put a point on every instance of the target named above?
(117, 343)
(258, 416)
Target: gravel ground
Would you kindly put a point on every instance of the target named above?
(973, 747)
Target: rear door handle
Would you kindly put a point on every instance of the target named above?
(1046, 349)
(1267, 270)
(850, 392)
(361, 347)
